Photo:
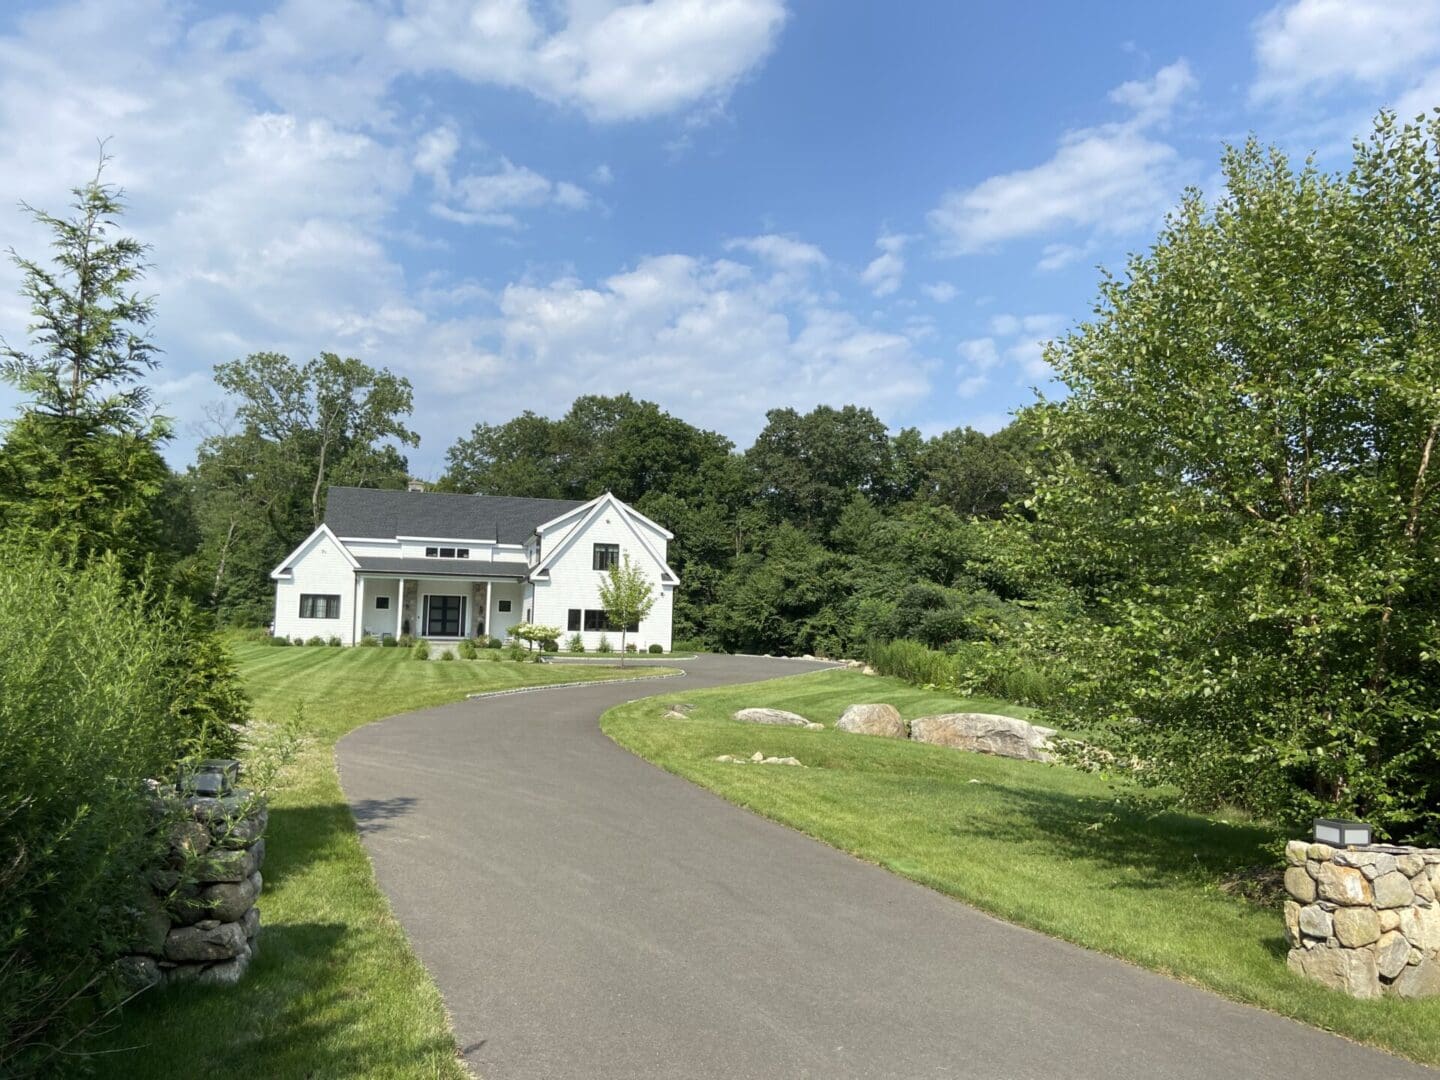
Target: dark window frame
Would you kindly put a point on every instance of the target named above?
(502, 605)
(382, 603)
(604, 556)
(597, 620)
(573, 619)
(445, 602)
(325, 603)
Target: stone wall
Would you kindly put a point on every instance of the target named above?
(1365, 919)
(200, 923)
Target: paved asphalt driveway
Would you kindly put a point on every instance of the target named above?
(587, 915)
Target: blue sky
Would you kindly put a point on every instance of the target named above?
(721, 205)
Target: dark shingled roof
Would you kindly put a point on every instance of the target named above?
(476, 568)
(369, 512)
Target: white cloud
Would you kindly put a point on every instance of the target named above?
(1110, 179)
(942, 292)
(492, 198)
(711, 338)
(1059, 256)
(602, 175)
(980, 354)
(971, 385)
(887, 270)
(783, 251)
(613, 61)
(1316, 45)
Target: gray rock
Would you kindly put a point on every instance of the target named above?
(1292, 922)
(1356, 927)
(190, 838)
(776, 717)
(1320, 852)
(781, 761)
(1393, 890)
(1389, 920)
(1295, 852)
(189, 944)
(872, 720)
(1391, 954)
(1420, 981)
(1350, 970)
(1315, 922)
(1422, 927)
(1343, 885)
(138, 973)
(250, 923)
(183, 973)
(1299, 884)
(1410, 864)
(227, 972)
(675, 714)
(228, 901)
(984, 733)
(207, 924)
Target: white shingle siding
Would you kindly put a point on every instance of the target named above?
(321, 568)
(573, 582)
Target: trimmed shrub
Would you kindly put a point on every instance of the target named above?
(297, 641)
(467, 650)
(550, 645)
(315, 639)
(493, 642)
(404, 641)
(279, 640)
(448, 654)
(516, 651)
(420, 650)
(656, 649)
(576, 643)
(369, 641)
(333, 641)
(604, 645)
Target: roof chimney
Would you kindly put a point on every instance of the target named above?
(415, 485)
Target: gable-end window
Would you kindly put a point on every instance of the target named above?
(462, 553)
(432, 553)
(573, 622)
(382, 603)
(319, 606)
(502, 605)
(606, 556)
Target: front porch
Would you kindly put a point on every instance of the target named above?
(436, 607)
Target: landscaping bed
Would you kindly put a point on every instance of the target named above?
(1080, 856)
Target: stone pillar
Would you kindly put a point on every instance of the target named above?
(1364, 920)
(200, 923)
(407, 611)
(480, 609)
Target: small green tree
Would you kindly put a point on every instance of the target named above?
(627, 597)
(81, 467)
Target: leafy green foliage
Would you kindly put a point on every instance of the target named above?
(628, 597)
(104, 686)
(1257, 540)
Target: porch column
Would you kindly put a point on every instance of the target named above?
(400, 610)
(359, 599)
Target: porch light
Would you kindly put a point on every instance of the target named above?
(1341, 833)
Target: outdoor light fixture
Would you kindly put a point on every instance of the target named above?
(213, 777)
(1341, 833)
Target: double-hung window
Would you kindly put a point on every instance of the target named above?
(606, 556)
(319, 606)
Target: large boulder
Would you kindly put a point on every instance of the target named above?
(190, 944)
(872, 720)
(984, 733)
(775, 717)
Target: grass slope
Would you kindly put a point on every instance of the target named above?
(335, 990)
(1043, 846)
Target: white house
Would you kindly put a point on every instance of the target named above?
(445, 566)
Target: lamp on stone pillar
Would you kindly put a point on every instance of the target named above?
(1338, 833)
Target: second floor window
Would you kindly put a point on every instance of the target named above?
(606, 556)
(447, 553)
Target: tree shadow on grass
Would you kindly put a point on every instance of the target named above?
(1156, 846)
(298, 836)
(292, 1015)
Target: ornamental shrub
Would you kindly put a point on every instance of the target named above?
(333, 641)
(315, 639)
(279, 639)
(576, 643)
(420, 650)
(467, 650)
(604, 645)
(369, 641)
(655, 648)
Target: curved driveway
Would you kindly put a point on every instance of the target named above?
(588, 915)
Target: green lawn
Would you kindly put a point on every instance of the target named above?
(335, 990)
(1040, 845)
